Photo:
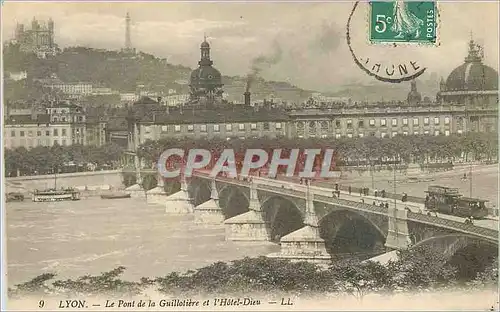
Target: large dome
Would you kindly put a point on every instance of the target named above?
(472, 76)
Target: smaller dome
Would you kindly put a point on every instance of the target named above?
(205, 44)
(206, 75)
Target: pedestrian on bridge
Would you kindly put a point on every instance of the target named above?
(349, 190)
(375, 192)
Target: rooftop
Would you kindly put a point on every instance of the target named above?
(28, 119)
(231, 113)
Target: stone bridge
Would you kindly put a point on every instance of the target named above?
(311, 224)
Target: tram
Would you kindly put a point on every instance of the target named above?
(449, 201)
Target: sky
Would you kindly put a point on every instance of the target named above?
(305, 42)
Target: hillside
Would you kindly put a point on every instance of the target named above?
(124, 73)
(119, 71)
(386, 91)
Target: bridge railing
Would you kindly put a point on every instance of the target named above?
(281, 190)
(417, 217)
(432, 220)
(353, 204)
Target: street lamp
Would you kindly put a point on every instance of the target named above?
(470, 180)
(394, 183)
(371, 169)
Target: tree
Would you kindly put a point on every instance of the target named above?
(421, 268)
(488, 278)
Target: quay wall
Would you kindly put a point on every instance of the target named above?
(89, 179)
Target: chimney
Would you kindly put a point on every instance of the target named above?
(247, 98)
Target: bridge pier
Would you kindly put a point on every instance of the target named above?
(398, 235)
(136, 190)
(249, 226)
(157, 195)
(179, 202)
(209, 212)
(305, 244)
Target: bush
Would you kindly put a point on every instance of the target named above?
(415, 270)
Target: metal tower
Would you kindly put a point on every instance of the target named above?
(128, 43)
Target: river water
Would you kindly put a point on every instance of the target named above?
(92, 235)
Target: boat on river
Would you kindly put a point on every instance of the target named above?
(14, 197)
(55, 195)
(115, 196)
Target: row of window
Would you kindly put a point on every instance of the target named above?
(394, 122)
(228, 127)
(384, 134)
(55, 132)
(39, 142)
(63, 119)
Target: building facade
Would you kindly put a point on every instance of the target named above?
(39, 39)
(96, 130)
(463, 105)
(245, 123)
(467, 101)
(61, 124)
(389, 122)
(73, 88)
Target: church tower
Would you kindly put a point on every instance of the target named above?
(206, 81)
(414, 97)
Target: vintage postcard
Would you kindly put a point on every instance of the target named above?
(253, 156)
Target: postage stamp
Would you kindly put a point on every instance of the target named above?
(403, 21)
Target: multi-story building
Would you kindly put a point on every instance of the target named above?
(73, 88)
(95, 127)
(466, 102)
(61, 124)
(231, 121)
(39, 39)
(73, 116)
(128, 97)
(175, 99)
(205, 114)
(103, 91)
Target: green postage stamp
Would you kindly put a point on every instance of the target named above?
(403, 21)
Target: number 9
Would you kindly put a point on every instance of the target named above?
(41, 304)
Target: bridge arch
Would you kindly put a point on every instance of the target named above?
(233, 201)
(469, 254)
(346, 231)
(200, 192)
(283, 216)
